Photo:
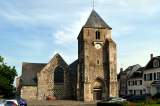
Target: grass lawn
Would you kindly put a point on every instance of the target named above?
(153, 105)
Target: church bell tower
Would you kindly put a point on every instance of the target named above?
(97, 69)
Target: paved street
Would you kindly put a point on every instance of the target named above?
(60, 103)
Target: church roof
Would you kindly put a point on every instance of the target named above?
(96, 21)
(29, 73)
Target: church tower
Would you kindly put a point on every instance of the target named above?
(97, 69)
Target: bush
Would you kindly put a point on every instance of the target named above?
(158, 101)
(112, 104)
(150, 101)
(156, 96)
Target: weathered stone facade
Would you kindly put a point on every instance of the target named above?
(29, 92)
(93, 76)
(97, 61)
(46, 85)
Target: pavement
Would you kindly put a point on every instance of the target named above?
(60, 103)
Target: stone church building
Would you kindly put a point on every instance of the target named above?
(93, 76)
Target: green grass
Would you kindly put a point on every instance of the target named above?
(153, 105)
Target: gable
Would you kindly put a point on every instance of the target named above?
(150, 64)
(56, 61)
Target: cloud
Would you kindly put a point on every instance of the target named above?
(68, 33)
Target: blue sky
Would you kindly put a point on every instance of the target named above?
(35, 30)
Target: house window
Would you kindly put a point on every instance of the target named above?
(150, 76)
(132, 82)
(129, 83)
(141, 92)
(130, 92)
(97, 35)
(145, 77)
(135, 82)
(140, 82)
(158, 75)
(156, 63)
(154, 76)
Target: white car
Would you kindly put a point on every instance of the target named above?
(2, 102)
(116, 99)
(13, 100)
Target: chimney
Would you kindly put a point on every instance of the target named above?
(151, 56)
(121, 69)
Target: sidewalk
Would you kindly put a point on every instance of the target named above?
(60, 103)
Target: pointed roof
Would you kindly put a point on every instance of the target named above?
(96, 21)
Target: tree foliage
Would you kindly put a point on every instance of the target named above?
(7, 76)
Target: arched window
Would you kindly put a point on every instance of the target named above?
(59, 75)
(156, 63)
(97, 35)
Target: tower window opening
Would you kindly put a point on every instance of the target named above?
(98, 62)
(97, 35)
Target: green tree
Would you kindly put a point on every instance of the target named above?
(7, 76)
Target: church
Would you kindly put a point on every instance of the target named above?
(93, 76)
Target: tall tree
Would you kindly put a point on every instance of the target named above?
(7, 76)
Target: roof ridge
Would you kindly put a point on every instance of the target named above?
(94, 20)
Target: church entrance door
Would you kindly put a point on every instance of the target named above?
(97, 94)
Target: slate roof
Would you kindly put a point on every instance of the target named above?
(130, 68)
(29, 73)
(150, 63)
(138, 73)
(95, 21)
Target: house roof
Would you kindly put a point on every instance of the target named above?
(29, 73)
(95, 21)
(130, 68)
(150, 63)
(138, 73)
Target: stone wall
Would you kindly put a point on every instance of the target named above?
(46, 78)
(29, 92)
(97, 63)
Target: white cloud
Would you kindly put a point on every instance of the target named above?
(68, 33)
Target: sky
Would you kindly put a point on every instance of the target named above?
(35, 30)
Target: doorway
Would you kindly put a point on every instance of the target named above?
(97, 94)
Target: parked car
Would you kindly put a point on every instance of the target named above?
(2, 102)
(11, 102)
(22, 102)
(115, 99)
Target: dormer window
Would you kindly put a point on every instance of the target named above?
(156, 63)
(97, 35)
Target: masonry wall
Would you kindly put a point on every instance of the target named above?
(29, 92)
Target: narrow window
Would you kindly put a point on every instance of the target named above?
(158, 75)
(145, 77)
(97, 35)
(129, 83)
(154, 76)
(135, 82)
(140, 82)
(150, 76)
(97, 61)
(134, 92)
(140, 92)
